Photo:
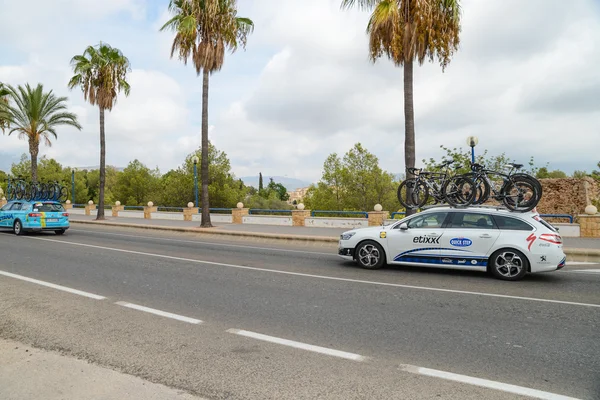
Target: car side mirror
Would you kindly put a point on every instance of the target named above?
(404, 226)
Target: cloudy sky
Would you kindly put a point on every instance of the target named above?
(523, 81)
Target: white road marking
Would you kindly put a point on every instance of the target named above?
(505, 387)
(53, 286)
(333, 278)
(299, 345)
(159, 312)
(586, 271)
(207, 243)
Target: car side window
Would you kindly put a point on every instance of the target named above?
(472, 221)
(15, 207)
(512, 224)
(6, 207)
(429, 220)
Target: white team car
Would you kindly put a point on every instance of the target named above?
(508, 244)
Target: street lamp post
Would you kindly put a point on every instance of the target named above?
(472, 142)
(73, 186)
(195, 161)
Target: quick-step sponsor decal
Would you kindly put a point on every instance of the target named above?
(461, 242)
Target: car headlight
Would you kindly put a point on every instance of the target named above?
(347, 236)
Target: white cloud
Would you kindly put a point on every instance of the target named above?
(524, 81)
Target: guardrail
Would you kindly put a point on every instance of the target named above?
(259, 211)
(363, 213)
(133, 208)
(569, 217)
(393, 215)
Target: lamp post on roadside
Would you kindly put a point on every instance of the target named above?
(195, 160)
(472, 142)
(73, 186)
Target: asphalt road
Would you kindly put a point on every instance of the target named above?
(381, 334)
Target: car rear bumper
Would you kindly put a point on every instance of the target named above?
(46, 228)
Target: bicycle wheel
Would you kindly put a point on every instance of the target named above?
(20, 191)
(50, 191)
(63, 194)
(482, 190)
(520, 194)
(459, 191)
(412, 194)
(10, 193)
(534, 181)
(29, 192)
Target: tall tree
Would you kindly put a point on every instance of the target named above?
(260, 182)
(204, 29)
(3, 103)
(101, 73)
(407, 31)
(35, 115)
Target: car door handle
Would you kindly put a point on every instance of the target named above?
(485, 236)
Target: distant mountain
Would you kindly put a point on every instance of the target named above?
(289, 183)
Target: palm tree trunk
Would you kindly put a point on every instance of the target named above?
(409, 126)
(34, 149)
(100, 215)
(205, 221)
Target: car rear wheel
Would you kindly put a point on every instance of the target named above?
(370, 255)
(60, 232)
(509, 264)
(18, 228)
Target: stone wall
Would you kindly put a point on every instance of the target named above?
(567, 195)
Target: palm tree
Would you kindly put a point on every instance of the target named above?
(3, 102)
(101, 73)
(204, 29)
(35, 115)
(407, 31)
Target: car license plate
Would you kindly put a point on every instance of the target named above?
(51, 219)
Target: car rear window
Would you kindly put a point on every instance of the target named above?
(512, 224)
(48, 207)
(547, 225)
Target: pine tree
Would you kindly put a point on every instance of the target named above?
(260, 182)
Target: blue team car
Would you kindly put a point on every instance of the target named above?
(34, 216)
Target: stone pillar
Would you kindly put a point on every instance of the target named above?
(239, 213)
(299, 217)
(189, 211)
(67, 205)
(116, 208)
(590, 225)
(90, 206)
(3, 202)
(149, 209)
(378, 217)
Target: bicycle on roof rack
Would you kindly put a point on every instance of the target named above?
(516, 190)
(19, 189)
(439, 187)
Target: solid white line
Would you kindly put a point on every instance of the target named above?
(159, 312)
(505, 387)
(206, 243)
(333, 278)
(53, 286)
(299, 345)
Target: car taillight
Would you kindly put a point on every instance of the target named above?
(551, 237)
(33, 215)
(65, 214)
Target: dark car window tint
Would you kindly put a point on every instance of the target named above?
(472, 221)
(6, 207)
(429, 220)
(512, 224)
(50, 207)
(15, 207)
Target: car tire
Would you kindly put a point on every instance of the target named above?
(508, 264)
(60, 232)
(18, 228)
(370, 255)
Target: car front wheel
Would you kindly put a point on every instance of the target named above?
(370, 255)
(508, 264)
(18, 228)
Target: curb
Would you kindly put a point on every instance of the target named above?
(304, 238)
(583, 255)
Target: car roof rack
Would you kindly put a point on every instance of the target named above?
(498, 207)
